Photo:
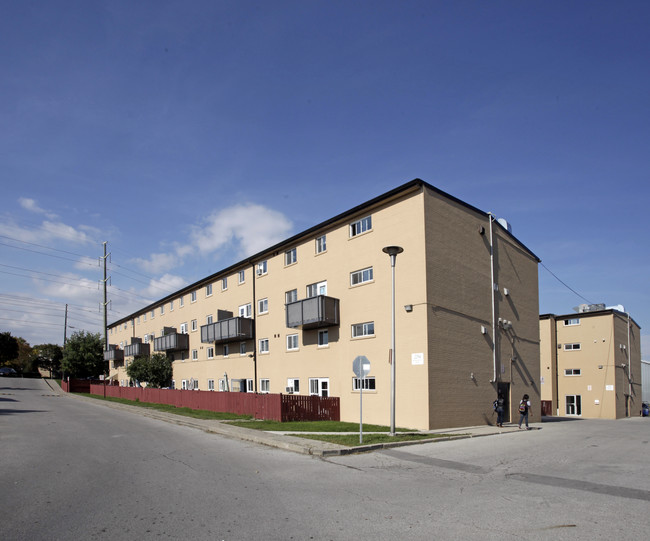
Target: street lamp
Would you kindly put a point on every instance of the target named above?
(392, 251)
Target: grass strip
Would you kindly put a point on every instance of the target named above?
(313, 426)
(166, 408)
(352, 440)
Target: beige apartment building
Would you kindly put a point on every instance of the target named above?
(590, 363)
(293, 318)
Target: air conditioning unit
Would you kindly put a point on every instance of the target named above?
(259, 271)
(288, 390)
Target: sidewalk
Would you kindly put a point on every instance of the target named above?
(289, 441)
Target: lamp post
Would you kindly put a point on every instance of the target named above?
(392, 251)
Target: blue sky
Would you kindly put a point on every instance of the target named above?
(190, 134)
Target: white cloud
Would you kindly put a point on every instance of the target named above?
(157, 263)
(48, 231)
(32, 206)
(167, 283)
(252, 227)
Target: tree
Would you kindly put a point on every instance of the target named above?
(83, 355)
(48, 356)
(24, 362)
(8, 347)
(156, 370)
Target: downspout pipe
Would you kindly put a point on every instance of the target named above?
(492, 292)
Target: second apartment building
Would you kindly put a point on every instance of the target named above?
(292, 318)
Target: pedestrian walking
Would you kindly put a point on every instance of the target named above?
(524, 408)
(499, 407)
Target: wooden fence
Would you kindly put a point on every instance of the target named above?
(275, 407)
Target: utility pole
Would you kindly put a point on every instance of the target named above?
(65, 337)
(105, 308)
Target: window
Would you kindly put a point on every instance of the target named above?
(226, 350)
(208, 320)
(361, 276)
(193, 325)
(572, 371)
(574, 404)
(210, 385)
(291, 296)
(571, 347)
(294, 384)
(319, 386)
(321, 244)
(153, 314)
(183, 328)
(263, 306)
(368, 384)
(242, 348)
(144, 317)
(264, 345)
(195, 355)
(210, 352)
(171, 306)
(262, 268)
(290, 256)
(323, 338)
(249, 385)
(223, 385)
(146, 338)
(224, 283)
(193, 296)
(319, 288)
(245, 310)
(292, 342)
(570, 322)
(265, 385)
(184, 384)
(363, 329)
(181, 302)
(208, 290)
(361, 226)
(241, 276)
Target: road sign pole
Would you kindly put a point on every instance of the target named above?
(361, 411)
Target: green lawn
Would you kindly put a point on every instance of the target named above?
(352, 440)
(313, 426)
(187, 412)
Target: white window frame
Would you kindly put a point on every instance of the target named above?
(361, 276)
(241, 276)
(363, 330)
(222, 385)
(263, 306)
(195, 354)
(572, 347)
(246, 310)
(194, 325)
(171, 306)
(224, 283)
(294, 383)
(210, 385)
(265, 385)
(292, 342)
(144, 317)
(209, 352)
(162, 312)
(319, 386)
(262, 268)
(369, 384)
(571, 322)
(181, 301)
(290, 296)
(361, 226)
(263, 346)
(184, 385)
(321, 244)
(290, 257)
(573, 408)
(183, 328)
(209, 319)
(242, 348)
(571, 372)
(193, 296)
(208, 290)
(153, 314)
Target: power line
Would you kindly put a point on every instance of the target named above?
(564, 284)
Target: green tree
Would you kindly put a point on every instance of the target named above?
(24, 362)
(83, 355)
(156, 371)
(8, 347)
(48, 356)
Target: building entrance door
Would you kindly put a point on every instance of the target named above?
(503, 388)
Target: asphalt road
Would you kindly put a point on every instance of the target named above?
(78, 470)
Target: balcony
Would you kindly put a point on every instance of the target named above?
(313, 313)
(233, 329)
(113, 353)
(137, 349)
(172, 341)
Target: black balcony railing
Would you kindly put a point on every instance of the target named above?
(137, 349)
(172, 342)
(228, 330)
(113, 354)
(313, 313)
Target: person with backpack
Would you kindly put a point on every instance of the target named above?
(524, 408)
(499, 405)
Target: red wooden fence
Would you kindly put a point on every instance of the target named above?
(275, 407)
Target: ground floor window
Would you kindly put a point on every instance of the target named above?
(210, 385)
(184, 384)
(293, 385)
(574, 404)
(223, 385)
(265, 386)
(368, 384)
(319, 387)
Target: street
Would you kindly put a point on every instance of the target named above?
(78, 470)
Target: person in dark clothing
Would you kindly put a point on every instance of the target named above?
(524, 408)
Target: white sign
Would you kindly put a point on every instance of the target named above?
(609, 387)
(417, 358)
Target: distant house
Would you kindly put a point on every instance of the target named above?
(590, 363)
(293, 317)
